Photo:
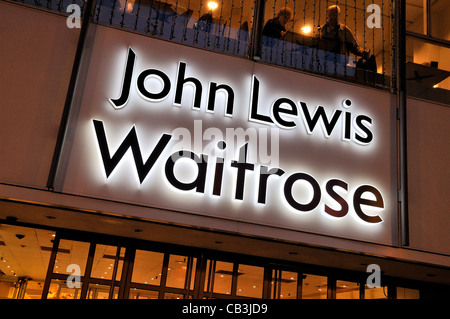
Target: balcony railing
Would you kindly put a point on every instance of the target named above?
(239, 28)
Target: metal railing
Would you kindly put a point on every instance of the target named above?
(198, 23)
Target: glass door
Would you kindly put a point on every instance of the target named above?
(224, 279)
(84, 270)
(284, 284)
(162, 275)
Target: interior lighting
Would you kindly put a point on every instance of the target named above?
(306, 29)
(129, 6)
(212, 5)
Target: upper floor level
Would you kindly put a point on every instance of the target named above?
(349, 40)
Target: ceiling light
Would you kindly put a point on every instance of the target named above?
(212, 5)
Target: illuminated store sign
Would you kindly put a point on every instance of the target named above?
(240, 163)
(187, 131)
(281, 109)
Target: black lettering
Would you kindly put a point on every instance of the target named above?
(123, 99)
(218, 175)
(276, 110)
(254, 103)
(241, 166)
(130, 141)
(347, 125)
(319, 113)
(358, 201)
(359, 123)
(341, 201)
(181, 80)
(213, 88)
(263, 177)
(288, 192)
(153, 96)
(199, 183)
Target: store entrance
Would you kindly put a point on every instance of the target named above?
(48, 264)
(93, 267)
(88, 269)
(84, 270)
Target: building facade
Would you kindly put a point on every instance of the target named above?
(178, 149)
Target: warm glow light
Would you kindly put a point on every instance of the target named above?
(212, 5)
(332, 130)
(436, 86)
(306, 29)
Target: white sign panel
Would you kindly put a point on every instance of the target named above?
(173, 127)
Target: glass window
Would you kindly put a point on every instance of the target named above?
(250, 281)
(222, 276)
(376, 293)
(147, 267)
(58, 290)
(283, 284)
(440, 11)
(302, 35)
(347, 290)
(34, 289)
(415, 13)
(6, 289)
(71, 252)
(35, 246)
(314, 287)
(96, 291)
(288, 285)
(218, 25)
(169, 295)
(427, 70)
(177, 272)
(143, 294)
(407, 293)
(104, 260)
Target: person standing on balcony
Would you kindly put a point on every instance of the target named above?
(341, 37)
(276, 27)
